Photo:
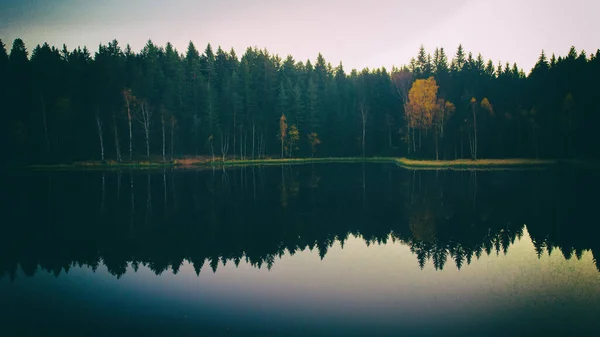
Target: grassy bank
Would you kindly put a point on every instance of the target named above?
(467, 164)
(292, 161)
(107, 165)
(480, 163)
(403, 162)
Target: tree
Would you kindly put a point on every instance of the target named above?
(444, 110)
(422, 103)
(129, 101)
(485, 105)
(282, 131)
(459, 59)
(313, 140)
(403, 80)
(100, 135)
(293, 137)
(60, 102)
(144, 117)
(363, 106)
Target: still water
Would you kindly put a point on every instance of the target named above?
(326, 249)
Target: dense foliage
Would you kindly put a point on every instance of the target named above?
(60, 105)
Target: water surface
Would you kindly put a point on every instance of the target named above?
(327, 249)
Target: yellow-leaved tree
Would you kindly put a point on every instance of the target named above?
(422, 105)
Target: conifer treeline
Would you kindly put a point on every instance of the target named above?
(62, 105)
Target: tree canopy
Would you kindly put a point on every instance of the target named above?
(65, 105)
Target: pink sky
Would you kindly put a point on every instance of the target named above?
(371, 33)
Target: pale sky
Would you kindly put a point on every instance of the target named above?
(361, 34)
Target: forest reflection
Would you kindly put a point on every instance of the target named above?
(160, 219)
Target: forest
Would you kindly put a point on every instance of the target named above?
(62, 105)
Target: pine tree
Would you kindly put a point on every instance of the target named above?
(459, 59)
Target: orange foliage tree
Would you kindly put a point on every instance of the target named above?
(425, 111)
(422, 105)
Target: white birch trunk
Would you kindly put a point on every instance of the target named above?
(117, 146)
(99, 125)
(163, 135)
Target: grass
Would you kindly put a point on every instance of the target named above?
(106, 165)
(403, 162)
(200, 162)
(469, 163)
(279, 161)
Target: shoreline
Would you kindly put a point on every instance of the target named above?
(186, 163)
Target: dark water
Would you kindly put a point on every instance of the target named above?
(344, 249)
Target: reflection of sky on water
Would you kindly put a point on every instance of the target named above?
(378, 288)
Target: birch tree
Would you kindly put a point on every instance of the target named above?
(116, 134)
(444, 110)
(129, 101)
(144, 117)
(100, 134)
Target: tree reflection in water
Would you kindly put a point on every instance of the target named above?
(256, 214)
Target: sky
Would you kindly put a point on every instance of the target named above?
(361, 34)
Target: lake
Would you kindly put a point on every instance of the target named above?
(323, 249)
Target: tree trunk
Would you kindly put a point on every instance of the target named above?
(364, 124)
(535, 142)
(437, 156)
(390, 135)
(44, 119)
(147, 132)
(462, 152)
(246, 145)
(253, 133)
(472, 145)
(408, 139)
(224, 146)
(129, 117)
(474, 135)
(145, 121)
(234, 133)
(117, 146)
(413, 140)
(260, 140)
(241, 144)
(162, 119)
(130, 135)
(172, 137)
(99, 125)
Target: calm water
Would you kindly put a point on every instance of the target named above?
(336, 249)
